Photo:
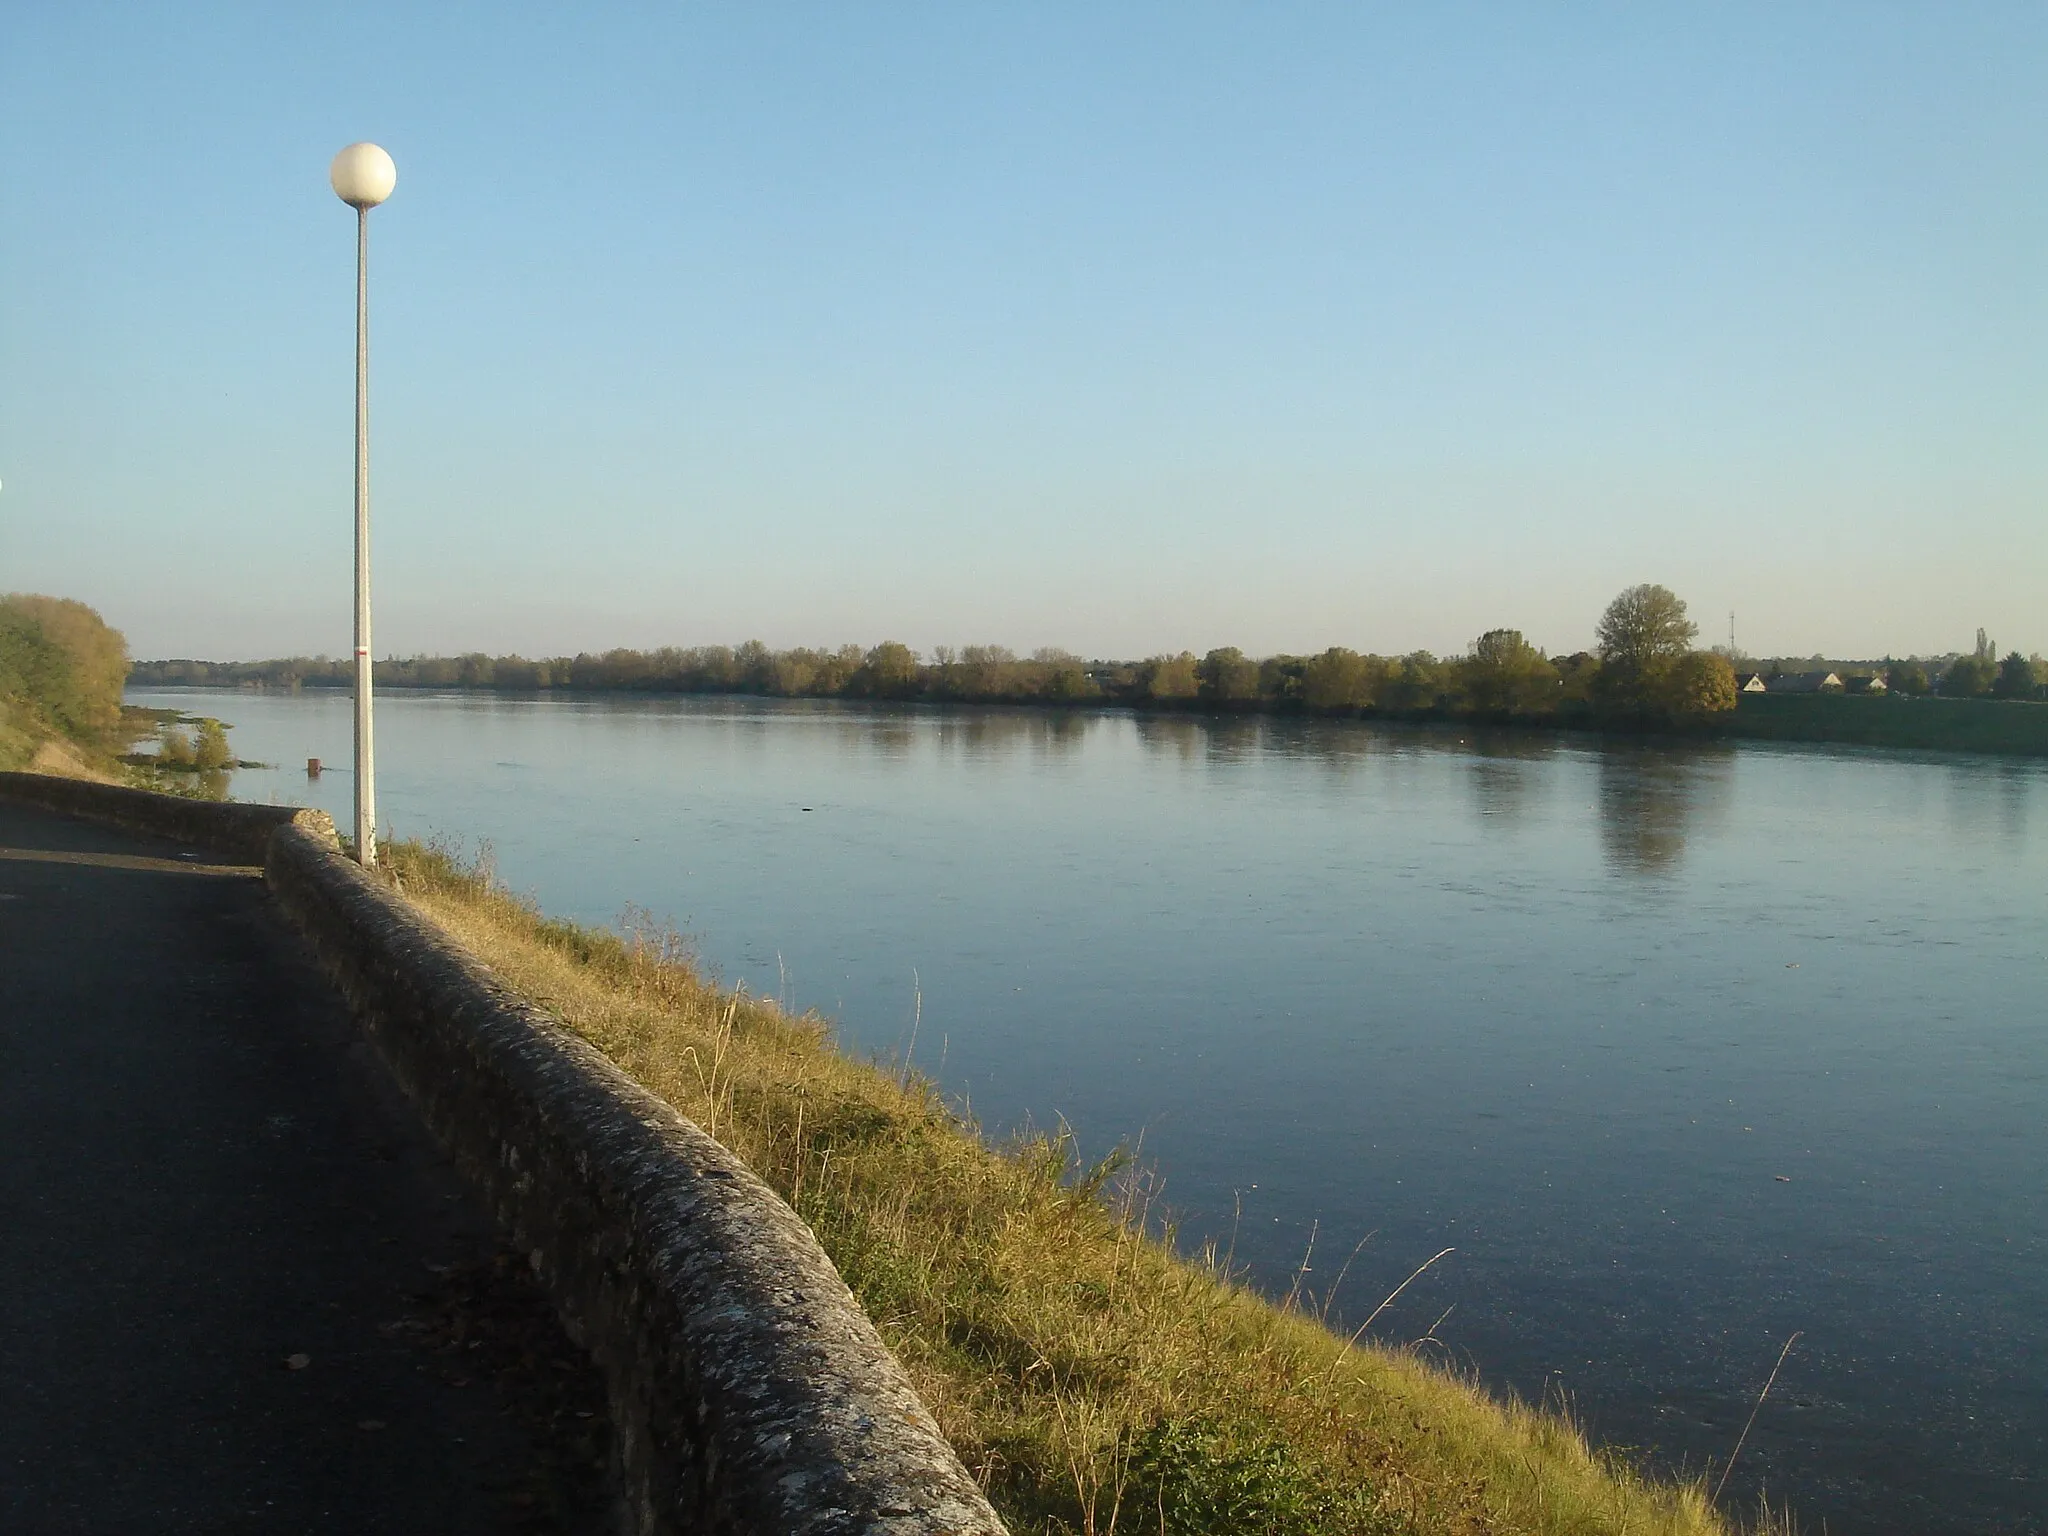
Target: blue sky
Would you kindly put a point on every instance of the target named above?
(1123, 328)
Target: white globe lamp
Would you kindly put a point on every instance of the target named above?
(362, 175)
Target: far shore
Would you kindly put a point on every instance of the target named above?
(1928, 724)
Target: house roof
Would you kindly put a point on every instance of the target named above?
(1803, 682)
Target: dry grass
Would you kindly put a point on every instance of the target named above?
(1096, 1381)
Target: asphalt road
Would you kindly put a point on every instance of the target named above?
(240, 1290)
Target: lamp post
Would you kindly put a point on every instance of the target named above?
(363, 176)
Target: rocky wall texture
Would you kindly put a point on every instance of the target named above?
(241, 832)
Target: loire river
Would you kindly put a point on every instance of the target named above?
(1682, 1049)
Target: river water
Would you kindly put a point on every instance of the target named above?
(1682, 1049)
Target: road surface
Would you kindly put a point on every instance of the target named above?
(240, 1290)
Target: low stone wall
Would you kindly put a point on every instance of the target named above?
(241, 832)
(750, 1394)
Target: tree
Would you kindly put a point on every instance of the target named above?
(1228, 676)
(1506, 675)
(1170, 677)
(1280, 679)
(793, 673)
(1062, 674)
(1968, 677)
(1340, 679)
(1906, 677)
(1419, 683)
(987, 672)
(210, 752)
(2016, 679)
(65, 662)
(1645, 627)
(1578, 675)
(889, 671)
(1642, 636)
(1699, 686)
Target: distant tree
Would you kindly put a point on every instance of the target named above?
(1642, 636)
(792, 674)
(1506, 675)
(2016, 679)
(1906, 677)
(1986, 651)
(1968, 677)
(1417, 683)
(1280, 679)
(1699, 686)
(987, 672)
(1577, 676)
(1341, 680)
(889, 671)
(752, 667)
(1062, 675)
(1170, 677)
(1645, 625)
(1228, 676)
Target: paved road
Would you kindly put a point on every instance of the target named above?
(239, 1288)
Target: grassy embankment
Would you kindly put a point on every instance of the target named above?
(1930, 724)
(1095, 1380)
(61, 670)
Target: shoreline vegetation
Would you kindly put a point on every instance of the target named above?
(62, 674)
(1644, 677)
(62, 671)
(1094, 1378)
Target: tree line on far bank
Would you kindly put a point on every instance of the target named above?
(1645, 671)
(1978, 675)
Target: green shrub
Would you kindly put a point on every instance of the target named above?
(210, 753)
(1194, 1477)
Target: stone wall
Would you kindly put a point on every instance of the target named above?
(240, 832)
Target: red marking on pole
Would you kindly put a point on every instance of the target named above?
(362, 650)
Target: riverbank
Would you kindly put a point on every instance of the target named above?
(1991, 726)
(2003, 726)
(1093, 1379)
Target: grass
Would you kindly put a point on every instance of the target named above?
(30, 743)
(1093, 1378)
(1928, 724)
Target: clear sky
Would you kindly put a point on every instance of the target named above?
(1120, 327)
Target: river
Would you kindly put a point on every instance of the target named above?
(1682, 1049)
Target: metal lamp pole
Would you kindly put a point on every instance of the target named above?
(363, 176)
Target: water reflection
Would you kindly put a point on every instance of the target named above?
(1231, 739)
(1505, 773)
(1175, 737)
(1650, 798)
(885, 736)
(997, 733)
(1987, 802)
(1500, 789)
